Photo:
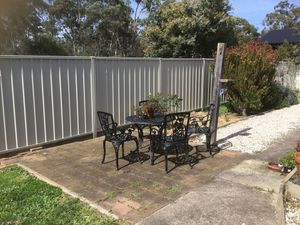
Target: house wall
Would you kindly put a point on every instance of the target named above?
(288, 74)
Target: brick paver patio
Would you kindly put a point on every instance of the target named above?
(134, 192)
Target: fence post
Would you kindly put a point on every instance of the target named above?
(93, 95)
(219, 66)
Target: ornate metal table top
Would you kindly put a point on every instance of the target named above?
(157, 120)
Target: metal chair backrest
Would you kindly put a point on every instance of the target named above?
(141, 103)
(210, 112)
(108, 125)
(176, 126)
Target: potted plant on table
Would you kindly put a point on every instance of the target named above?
(158, 105)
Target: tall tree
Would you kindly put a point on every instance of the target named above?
(111, 30)
(143, 6)
(70, 20)
(20, 21)
(188, 28)
(95, 27)
(244, 32)
(285, 15)
(44, 45)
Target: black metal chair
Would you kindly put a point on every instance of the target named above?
(141, 103)
(115, 134)
(201, 125)
(171, 135)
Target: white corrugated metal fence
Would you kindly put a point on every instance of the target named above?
(47, 99)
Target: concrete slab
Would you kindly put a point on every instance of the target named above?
(254, 173)
(293, 190)
(219, 202)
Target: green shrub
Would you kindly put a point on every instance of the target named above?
(252, 67)
(290, 52)
(224, 108)
(279, 97)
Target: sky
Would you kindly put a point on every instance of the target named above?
(255, 10)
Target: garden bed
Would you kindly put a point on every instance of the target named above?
(28, 200)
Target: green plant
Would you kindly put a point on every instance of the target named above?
(288, 160)
(110, 194)
(279, 97)
(252, 67)
(289, 52)
(159, 104)
(174, 188)
(223, 109)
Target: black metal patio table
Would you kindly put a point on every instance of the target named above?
(141, 122)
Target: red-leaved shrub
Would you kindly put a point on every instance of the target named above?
(252, 67)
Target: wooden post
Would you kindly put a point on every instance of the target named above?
(219, 66)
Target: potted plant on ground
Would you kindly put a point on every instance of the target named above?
(297, 157)
(288, 162)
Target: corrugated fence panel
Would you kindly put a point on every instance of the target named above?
(47, 99)
(3, 136)
(191, 79)
(43, 99)
(122, 82)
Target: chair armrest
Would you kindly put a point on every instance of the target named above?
(126, 129)
(200, 120)
(204, 120)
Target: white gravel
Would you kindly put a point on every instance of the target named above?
(292, 211)
(258, 132)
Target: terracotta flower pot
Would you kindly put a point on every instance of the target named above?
(149, 110)
(274, 166)
(297, 160)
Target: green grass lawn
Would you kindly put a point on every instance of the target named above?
(24, 199)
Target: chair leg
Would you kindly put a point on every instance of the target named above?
(186, 152)
(166, 161)
(176, 149)
(104, 151)
(197, 150)
(208, 145)
(140, 134)
(152, 157)
(138, 150)
(123, 155)
(117, 156)
(151, 154)
(188, 158)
